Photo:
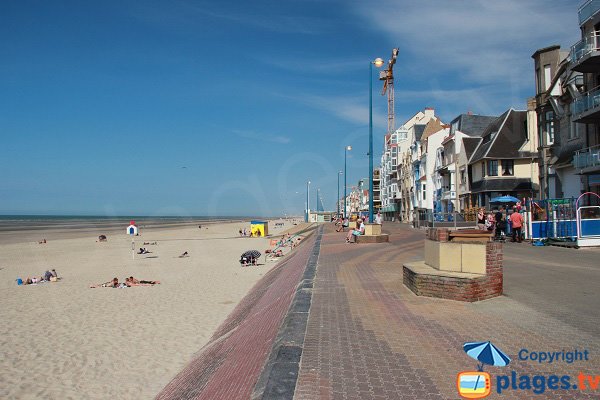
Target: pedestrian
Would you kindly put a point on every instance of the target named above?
(517, 225)
(240, 232)
(378, 219)
(500, 221)
(481, 219)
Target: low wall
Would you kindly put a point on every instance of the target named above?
(473, 279)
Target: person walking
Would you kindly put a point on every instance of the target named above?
(516, 219)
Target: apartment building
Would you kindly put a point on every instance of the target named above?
(396, 167)
(585, 109)
(505, 161)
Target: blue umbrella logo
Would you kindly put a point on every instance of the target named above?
(486, 353)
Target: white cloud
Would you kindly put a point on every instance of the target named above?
(262, 137)
(480, 40)
(352, 109)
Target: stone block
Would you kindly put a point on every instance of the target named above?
(473, 258)
(450, 256)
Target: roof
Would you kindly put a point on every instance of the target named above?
(503, 138)
(419, 129)
(433, 126)
(470, 144)
(545, 50)
(473, 125)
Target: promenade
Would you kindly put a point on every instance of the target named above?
(368, 337)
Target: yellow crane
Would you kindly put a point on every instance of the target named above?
(387, 76)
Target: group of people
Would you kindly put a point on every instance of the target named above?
(500, 220)
(129, 282)
(48, 276)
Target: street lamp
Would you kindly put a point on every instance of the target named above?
(346, 149)
(378, 63)
(338, 196)
(308, 201)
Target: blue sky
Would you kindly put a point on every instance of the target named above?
(228, 108)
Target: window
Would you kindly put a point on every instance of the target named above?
(576, 130)
(492, 167)
(549, 127)
(424, 192)
(463, 176)
(483, 169)
(547, 76)
(538, 81)
(508, 167)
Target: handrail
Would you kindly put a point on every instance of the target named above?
(588, 10)
(585, 46)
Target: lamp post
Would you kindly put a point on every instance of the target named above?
(378, 63)
(346, 149)
(338, 196)
(307, 201)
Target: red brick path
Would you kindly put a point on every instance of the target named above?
(228, 367)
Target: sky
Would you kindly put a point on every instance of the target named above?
(228, 108)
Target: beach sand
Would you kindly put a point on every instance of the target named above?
(65, 340)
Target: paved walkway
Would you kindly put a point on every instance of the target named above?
(368, 337)
(355, 332)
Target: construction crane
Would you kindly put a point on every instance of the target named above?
(387, 76)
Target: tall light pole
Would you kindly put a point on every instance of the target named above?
(346, 149)
(307, 201)
(378, 63)
(338, 196)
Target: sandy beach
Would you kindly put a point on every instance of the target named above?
(65, 340)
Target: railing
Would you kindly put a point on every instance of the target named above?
(586, 102)
(585, 46)
(588, 10)
(586, 158)
(430, 219)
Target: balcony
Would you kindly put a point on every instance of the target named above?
(585, 54)
(587, 160)
(586, 109)
(588, 10)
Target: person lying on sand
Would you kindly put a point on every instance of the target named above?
(185, 254)
(143, 251)
(131, 281)
(114, 283)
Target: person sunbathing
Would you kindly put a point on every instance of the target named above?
(114, 283)
(185, 254)
(143, 251)
(135, 282)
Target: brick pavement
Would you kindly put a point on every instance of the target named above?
(368, 337)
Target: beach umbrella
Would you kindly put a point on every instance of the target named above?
(504, 199)
(486, 353)
(251, 253)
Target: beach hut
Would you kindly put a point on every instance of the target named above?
(259, 228)
(132, 229)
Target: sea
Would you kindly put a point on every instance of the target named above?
(17, 228)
